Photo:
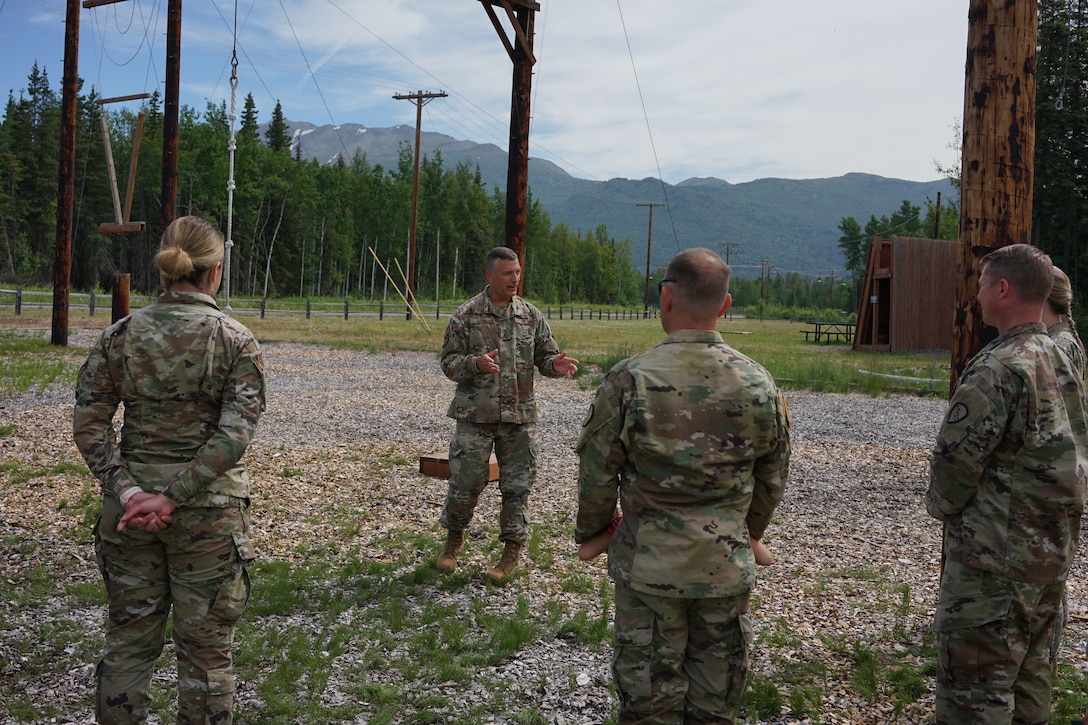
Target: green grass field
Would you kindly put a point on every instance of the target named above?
(777, 344)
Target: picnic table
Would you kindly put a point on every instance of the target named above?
(829, 331)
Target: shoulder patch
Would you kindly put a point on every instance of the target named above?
(957, 413)
(589, 415)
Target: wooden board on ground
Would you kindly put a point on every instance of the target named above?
(438, 465)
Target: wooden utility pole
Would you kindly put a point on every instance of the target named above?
(170, 108)
(997, 169)
(727, 249)
(522, 16)
(649, 238)
(66, 176)
(420, 99)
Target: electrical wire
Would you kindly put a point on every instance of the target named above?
(310, 70)
(649, 130)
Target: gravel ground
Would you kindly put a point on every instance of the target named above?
(856, 556)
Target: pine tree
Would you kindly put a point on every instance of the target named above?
(277, 134)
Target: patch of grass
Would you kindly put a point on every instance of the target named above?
(1070, 699)
(30, 362)
(19, 473)
(805, 702)
(776, 344)
(866, 675)
(761, 699)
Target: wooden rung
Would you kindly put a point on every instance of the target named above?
(122, 228)
(118, 99)
(438, 465)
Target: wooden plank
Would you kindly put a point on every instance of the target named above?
(118, 99)
(438, 465)
(122, 228)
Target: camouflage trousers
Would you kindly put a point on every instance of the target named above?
(679, 660)
(516, 450)
(196, 567)
(993, 639)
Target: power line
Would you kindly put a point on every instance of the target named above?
(310, 70)
(649, 131)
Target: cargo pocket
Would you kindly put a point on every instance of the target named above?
(972, 637)
(634, 655)
(233, 592)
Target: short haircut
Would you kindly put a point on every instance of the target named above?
(700, 281)
(1028, 269)
(500, 253)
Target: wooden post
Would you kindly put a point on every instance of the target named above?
(649, 239)
(997, 169)
(120, 296)
(522, 17)
(66, 176)
(170, 114)
(420, 99)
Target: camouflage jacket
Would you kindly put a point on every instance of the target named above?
(1067, 340)
(192, 383)
(521, 335)
(1008, 471)
(693, 439)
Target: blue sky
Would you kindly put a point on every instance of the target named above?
(735, 89)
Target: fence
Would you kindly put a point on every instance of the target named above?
(30, 299)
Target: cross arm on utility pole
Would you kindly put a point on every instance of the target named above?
(524, 42)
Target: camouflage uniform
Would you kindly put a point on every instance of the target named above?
(1067, 340)
(192, 383)
(1007, 476)
(495, 410)
(693, 439)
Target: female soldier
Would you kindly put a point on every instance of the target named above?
(1058, 318)
(174, 530)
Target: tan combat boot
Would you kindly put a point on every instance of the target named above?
(507, 563)
(447, 560)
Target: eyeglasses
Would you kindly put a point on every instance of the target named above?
(662, 283)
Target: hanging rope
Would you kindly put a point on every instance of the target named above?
(232, 145)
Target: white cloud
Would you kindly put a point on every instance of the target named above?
(738, 89)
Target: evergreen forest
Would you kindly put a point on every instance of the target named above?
(300, 228)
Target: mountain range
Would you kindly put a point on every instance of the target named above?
(789, 224)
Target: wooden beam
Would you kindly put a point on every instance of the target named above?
(118, 99)
(500, 30)
(527, 4)
(95, 3)
(122, 228)
(112, 171)
(523, 40)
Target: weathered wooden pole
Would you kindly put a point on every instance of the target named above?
(170, 110)
(522, 17)
(649, 241)
(66, 176)
(997, 169)
(420, 99)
